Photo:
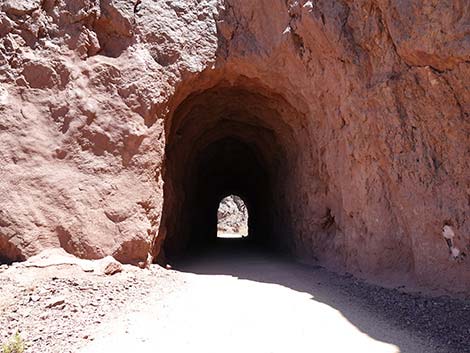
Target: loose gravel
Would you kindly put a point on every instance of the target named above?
(59, 309)
(442, 320)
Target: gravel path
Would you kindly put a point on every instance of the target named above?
(59, 309)
(253, 302)
(227, 301)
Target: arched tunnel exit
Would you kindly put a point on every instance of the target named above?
(231, 139)
(229, 166)
(232, 218)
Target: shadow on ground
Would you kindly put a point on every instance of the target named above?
(441, 321)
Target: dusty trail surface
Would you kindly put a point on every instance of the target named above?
(58, 303)
(251, 302)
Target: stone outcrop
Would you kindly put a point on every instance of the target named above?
(232, 216)
(346, 125)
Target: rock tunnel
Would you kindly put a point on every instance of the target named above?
(232, 139)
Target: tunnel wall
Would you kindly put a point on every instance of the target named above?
(369, 103)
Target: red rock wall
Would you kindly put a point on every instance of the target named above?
(374, 93)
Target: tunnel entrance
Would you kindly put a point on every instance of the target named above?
(232, 218)
(234, 139)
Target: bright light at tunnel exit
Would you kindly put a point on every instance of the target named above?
(232, 218)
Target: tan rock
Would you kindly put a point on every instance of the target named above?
(109, 266)
(112, 268)
(55, 302)
(20, 7)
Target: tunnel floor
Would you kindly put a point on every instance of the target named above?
(226, 247)
(238, 298)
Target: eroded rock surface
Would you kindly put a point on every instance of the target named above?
(355, 112)
(232, 216)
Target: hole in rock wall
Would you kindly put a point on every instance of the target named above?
(234, 139)
(232, 218)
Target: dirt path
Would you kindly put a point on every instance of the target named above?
(57, 303)
(252, 302)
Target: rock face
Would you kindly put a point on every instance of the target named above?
(232, 216)
(344, 124)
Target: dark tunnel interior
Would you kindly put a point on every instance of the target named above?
(228, 166)
(222, 141)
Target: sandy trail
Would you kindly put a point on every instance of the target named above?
(252, 302)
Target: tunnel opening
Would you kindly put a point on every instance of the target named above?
(232, 218)
(234, 139)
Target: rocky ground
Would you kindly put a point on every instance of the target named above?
(60, 307)
(230, 298)
(441, 320)
(235, 301)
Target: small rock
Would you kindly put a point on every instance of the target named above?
(55, 302)
(34, 298)
(112, 268)
(20, 7)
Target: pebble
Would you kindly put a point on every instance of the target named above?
(34, 298)
(57, 301)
